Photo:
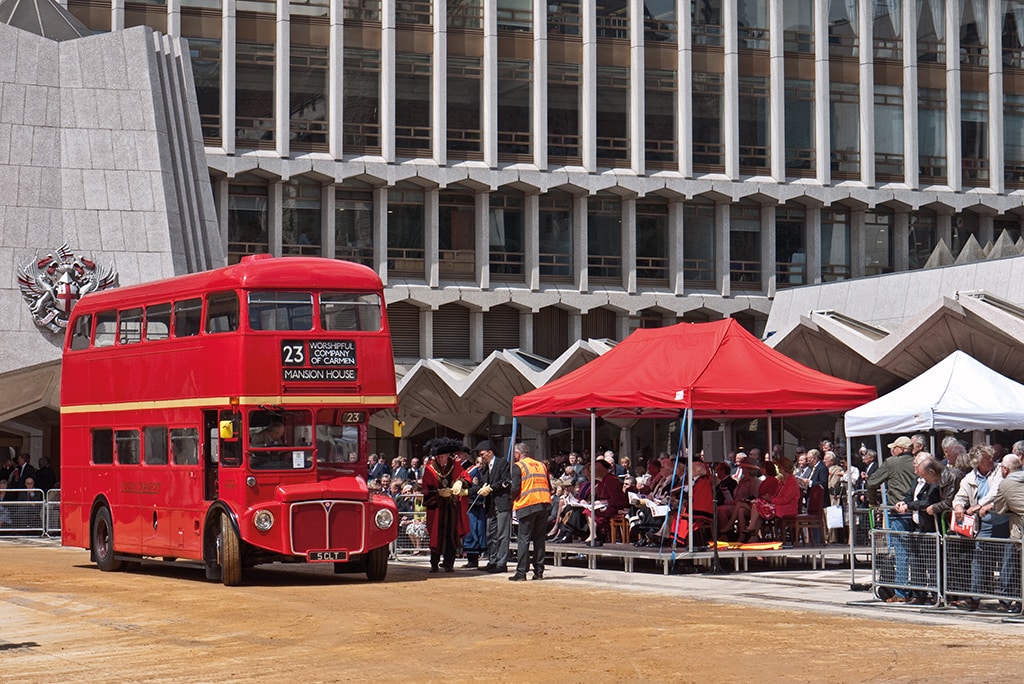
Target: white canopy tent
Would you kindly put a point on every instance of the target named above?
(958, 393)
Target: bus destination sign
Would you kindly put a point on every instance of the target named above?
(318, 360)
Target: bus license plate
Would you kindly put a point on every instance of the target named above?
(326, 556)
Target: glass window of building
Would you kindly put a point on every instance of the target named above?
(1009, 225)
(254, 95)
(300, 217)
(205, 53)
(878, 242)
(364, 11)
(660, 119)
(974, 137)
(706, 22)
(800, 158)
(660, 22)
(652, 241)
(974, 32)
(412, 104)
(146, 13)
(964, 226)
(843, 28)
(466, 14)
(604, 238)
(752, 17)
(550, 332)
(844, 115)
(612, 19)
(506, 235)
(708, 143)
(564, 113)
(931, 31)
(923, 237)
(754, 124)
(406, 221)
(361, 103)
(699, 245)
(931, 129)
(1013, 34)
(257, 6)
(889, 133)
(414, 12)
(555, 243)
(515, 107)
(887, 30)
(599, 323)
(612, 116)
(798, 27)
(564, 17)
(456, 228)
(247, 217)
(835, 243)
(308, 97)
(790, 245)
(745, 246)
(1013, 139)
(515, 15)
(353, 222)
(94, 15)
(465, 77)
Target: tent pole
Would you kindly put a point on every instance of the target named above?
(689, 475)
(593, 466)
(768, 452)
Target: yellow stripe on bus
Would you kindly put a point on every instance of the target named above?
(221, 402)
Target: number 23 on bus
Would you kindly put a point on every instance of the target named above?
(222, 417)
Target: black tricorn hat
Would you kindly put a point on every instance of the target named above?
(445, 445)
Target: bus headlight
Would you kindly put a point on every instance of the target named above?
(263, 520)
(384, 519)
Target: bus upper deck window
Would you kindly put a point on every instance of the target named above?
(280, 311)
(129, 326)
(350, 311)
(222, 312)
(188, 317)
(81, 331)
(158, 321)
(106, 328)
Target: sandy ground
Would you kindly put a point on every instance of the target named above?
(61, 620)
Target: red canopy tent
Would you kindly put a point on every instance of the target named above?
(697, 370)
(715, 369)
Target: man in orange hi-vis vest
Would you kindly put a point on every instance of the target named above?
(531, 491)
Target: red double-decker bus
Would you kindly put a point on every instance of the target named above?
(222, 417)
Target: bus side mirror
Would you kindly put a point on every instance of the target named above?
(227, 429)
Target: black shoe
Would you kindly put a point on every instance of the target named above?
(538, 576)
(449, 568)
(433, 569)
(517, 578)
(471, 565)
(488, 568)
(496, 569)
(564, 539)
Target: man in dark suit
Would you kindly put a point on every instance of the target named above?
(496, 488)
(22, 472)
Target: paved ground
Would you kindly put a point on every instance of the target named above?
(63, 620)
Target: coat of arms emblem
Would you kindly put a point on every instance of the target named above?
(52, 284)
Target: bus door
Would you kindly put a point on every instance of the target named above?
(211, 453)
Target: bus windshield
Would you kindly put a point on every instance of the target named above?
(337, 437)
(280, 440)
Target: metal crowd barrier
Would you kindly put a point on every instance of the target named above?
(30, 510)
(983, 568)
(412, 527)
(907, 561)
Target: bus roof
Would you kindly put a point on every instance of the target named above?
(259, 271)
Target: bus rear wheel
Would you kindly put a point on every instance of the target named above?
(376, 562)
(103, 541)
(230, 554)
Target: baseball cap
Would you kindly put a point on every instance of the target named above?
(902, 443)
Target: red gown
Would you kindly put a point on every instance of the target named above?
(446, 516)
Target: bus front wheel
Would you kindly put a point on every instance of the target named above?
(103, 541)
(230, 551)
(376, 562)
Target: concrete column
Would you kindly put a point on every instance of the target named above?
(588, 86)
(387, 80)
(174, 18)
(439, 79)
(626, 443)
(539, 93)
(866, 95)
(476, 336)
(336, 80)
(768, 250)
(722, 249)
(117, 15)
(380, 232)
(813, 242)
(777, 92)
(227, 77)
(676, 227)
(857, 244)
(986, 229)
(731, 96)
(995, 98)
(431, 227)
(944, 229)
(221, 192)
(275, 196)
(489, 96)
(531, 239)
(575, 327)
(526, 331)
(482, 239)
(581, 242)
(822, 129)
(426, 334)
(282, 67)
(911, 146)
(954, 172)
(637, 96)
(327, 228)
(628, 245)
(684, 88)
(901, 241)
